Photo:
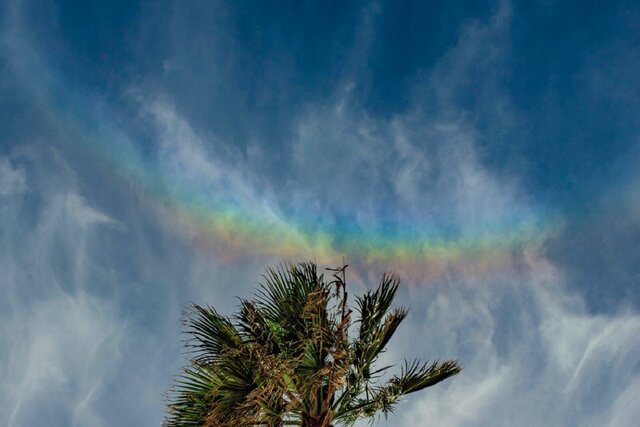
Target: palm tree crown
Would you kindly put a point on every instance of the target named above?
(287, 358)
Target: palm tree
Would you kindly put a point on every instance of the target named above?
(287, 358)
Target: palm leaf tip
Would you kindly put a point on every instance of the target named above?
(416, 376)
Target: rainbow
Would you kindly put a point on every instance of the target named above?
(227, 230)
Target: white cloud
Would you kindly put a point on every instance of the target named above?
(58, 340)
(186, 161)
(61, 351)
(546, 361)
(625, 410)
(533, 354)
(82, 214)
(13, 181)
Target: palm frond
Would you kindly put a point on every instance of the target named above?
(190, 397)
(210, 333)
(254, 326)
(373, 305)
(416, 376)
(370, 344)
(377, 325)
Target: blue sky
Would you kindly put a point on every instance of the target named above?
(125, 124)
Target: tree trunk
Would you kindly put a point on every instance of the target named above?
(318, 421)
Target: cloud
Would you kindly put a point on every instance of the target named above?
(12, 180)
(58, 340)
(84, 215)
(204, 171)
(77, 321)
(58, 353)
(533, 355)
(89, 315)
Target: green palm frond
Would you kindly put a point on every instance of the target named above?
(371, 343)
(416, 376)
(191, 397)
(377, 324)
(286, 357)
(254, 326)
(210, 333)
(373, 305)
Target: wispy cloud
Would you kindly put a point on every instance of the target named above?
(12, 179)
(58, 353)
(84, 215)
(533, 355)
(89, 313)
(59, 342)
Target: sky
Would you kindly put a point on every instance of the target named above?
(155, 154)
